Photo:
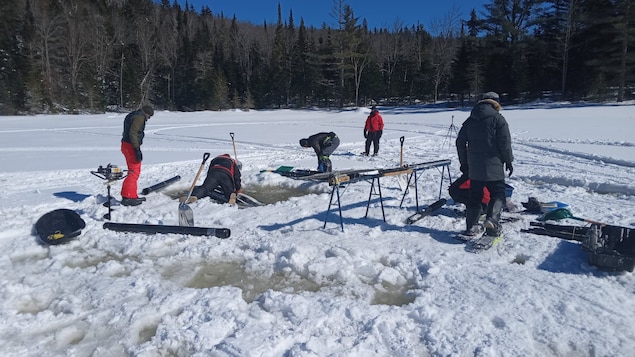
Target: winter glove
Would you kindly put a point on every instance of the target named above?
(138, 154)
(510, 168)
(379, 132)
(365, 134)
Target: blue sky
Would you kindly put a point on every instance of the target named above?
(382, 14)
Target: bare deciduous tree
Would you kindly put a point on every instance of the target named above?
(444, 45)
(572, 15)
(167, 48)
(146, 32)
(45, 47)
(76, 41)
(388, 51)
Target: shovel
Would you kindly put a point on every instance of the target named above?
(401, 140)
(234, 144)
(186, 215)
(401, 179)
(562, 213)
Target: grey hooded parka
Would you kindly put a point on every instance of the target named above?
(484, 142)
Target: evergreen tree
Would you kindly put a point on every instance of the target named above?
(92, 54)
(15, 68)
(507, 25)
(301, 81)
(600, 47)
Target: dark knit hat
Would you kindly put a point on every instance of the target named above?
(304, 143)
(148, 110)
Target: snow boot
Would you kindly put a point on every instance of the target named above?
(473, 229)
(492, 225)
(132, 201)
(472, 215)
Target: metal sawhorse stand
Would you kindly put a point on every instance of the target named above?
(339, 180)
(381, 198)
(444, 164)
(336, 189)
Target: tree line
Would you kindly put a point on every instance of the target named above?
(96, 55)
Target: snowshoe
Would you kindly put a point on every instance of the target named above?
(474, 233)
(485, 242)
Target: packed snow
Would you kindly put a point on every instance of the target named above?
(289, 281)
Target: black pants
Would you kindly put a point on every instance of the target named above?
(497, 196)
(373, 137)
(324, 162)
(215, 178)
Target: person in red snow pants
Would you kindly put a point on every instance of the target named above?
(131, 141)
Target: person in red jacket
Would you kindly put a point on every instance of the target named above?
(133, 132)
(372, 131)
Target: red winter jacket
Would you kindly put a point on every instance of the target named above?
(374, 122)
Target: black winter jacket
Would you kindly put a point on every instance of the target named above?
(133, 128)
(224, 163)
(484, 142)
(320, 143)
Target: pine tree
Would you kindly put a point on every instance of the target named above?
(507, 27)
(16, 74)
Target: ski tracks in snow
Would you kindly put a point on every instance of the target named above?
(602, 175)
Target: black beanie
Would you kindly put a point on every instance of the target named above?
(148, 110)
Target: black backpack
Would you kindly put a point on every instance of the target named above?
(59, 226)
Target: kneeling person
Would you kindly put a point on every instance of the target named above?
(223, 180)
(460, 192)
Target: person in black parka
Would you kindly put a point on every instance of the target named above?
(324, 144)
(485, 152)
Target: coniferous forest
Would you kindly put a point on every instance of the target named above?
(96, 55)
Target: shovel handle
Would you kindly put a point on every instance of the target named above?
(234, 145)
(198, 174)
(401, 140)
